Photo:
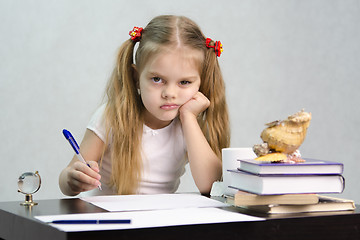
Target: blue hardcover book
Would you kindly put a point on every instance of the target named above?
(285, 183)
(310, 166)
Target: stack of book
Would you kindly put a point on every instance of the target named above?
(288, 187)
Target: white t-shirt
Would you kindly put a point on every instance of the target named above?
(164, 157)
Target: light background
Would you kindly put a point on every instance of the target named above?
(279, 56)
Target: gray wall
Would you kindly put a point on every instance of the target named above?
(279, 56)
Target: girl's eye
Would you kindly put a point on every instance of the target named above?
(184, 82)
(156, 80)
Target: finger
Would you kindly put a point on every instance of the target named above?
(84, 174)
(94, 166)
(202, 98)
(78, 186)
(199, 103)
(88, 170)
(81, 180)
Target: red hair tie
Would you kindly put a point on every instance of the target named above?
(217, 46)
(135, 34)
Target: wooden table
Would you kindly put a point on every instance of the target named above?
(18, 222)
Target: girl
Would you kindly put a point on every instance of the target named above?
(163, 110)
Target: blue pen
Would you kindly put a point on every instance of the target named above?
(87, 221)
(76, 148)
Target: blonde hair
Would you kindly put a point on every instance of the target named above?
(124, 108)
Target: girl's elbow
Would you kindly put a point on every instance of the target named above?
(205, 188)
(205, 193)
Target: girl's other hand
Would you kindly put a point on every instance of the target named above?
(196, 105)
(81, 177)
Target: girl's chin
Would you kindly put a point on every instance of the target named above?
(162, 118)
(168, 115)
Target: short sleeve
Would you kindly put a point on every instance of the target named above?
(97, 123)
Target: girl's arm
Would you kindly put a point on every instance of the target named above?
(78, 177)
(204, 164)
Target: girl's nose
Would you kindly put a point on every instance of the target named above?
(169, 92)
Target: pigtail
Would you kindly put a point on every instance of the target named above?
(216, 118)
(124, 135)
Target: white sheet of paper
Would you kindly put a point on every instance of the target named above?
(117, 203)
(148, 219)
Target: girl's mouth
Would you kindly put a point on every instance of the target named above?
(169, 106)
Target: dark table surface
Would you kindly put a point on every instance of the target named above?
(18, 222)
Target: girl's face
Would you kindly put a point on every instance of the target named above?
(167, 81)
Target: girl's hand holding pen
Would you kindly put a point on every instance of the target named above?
(81, 177)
